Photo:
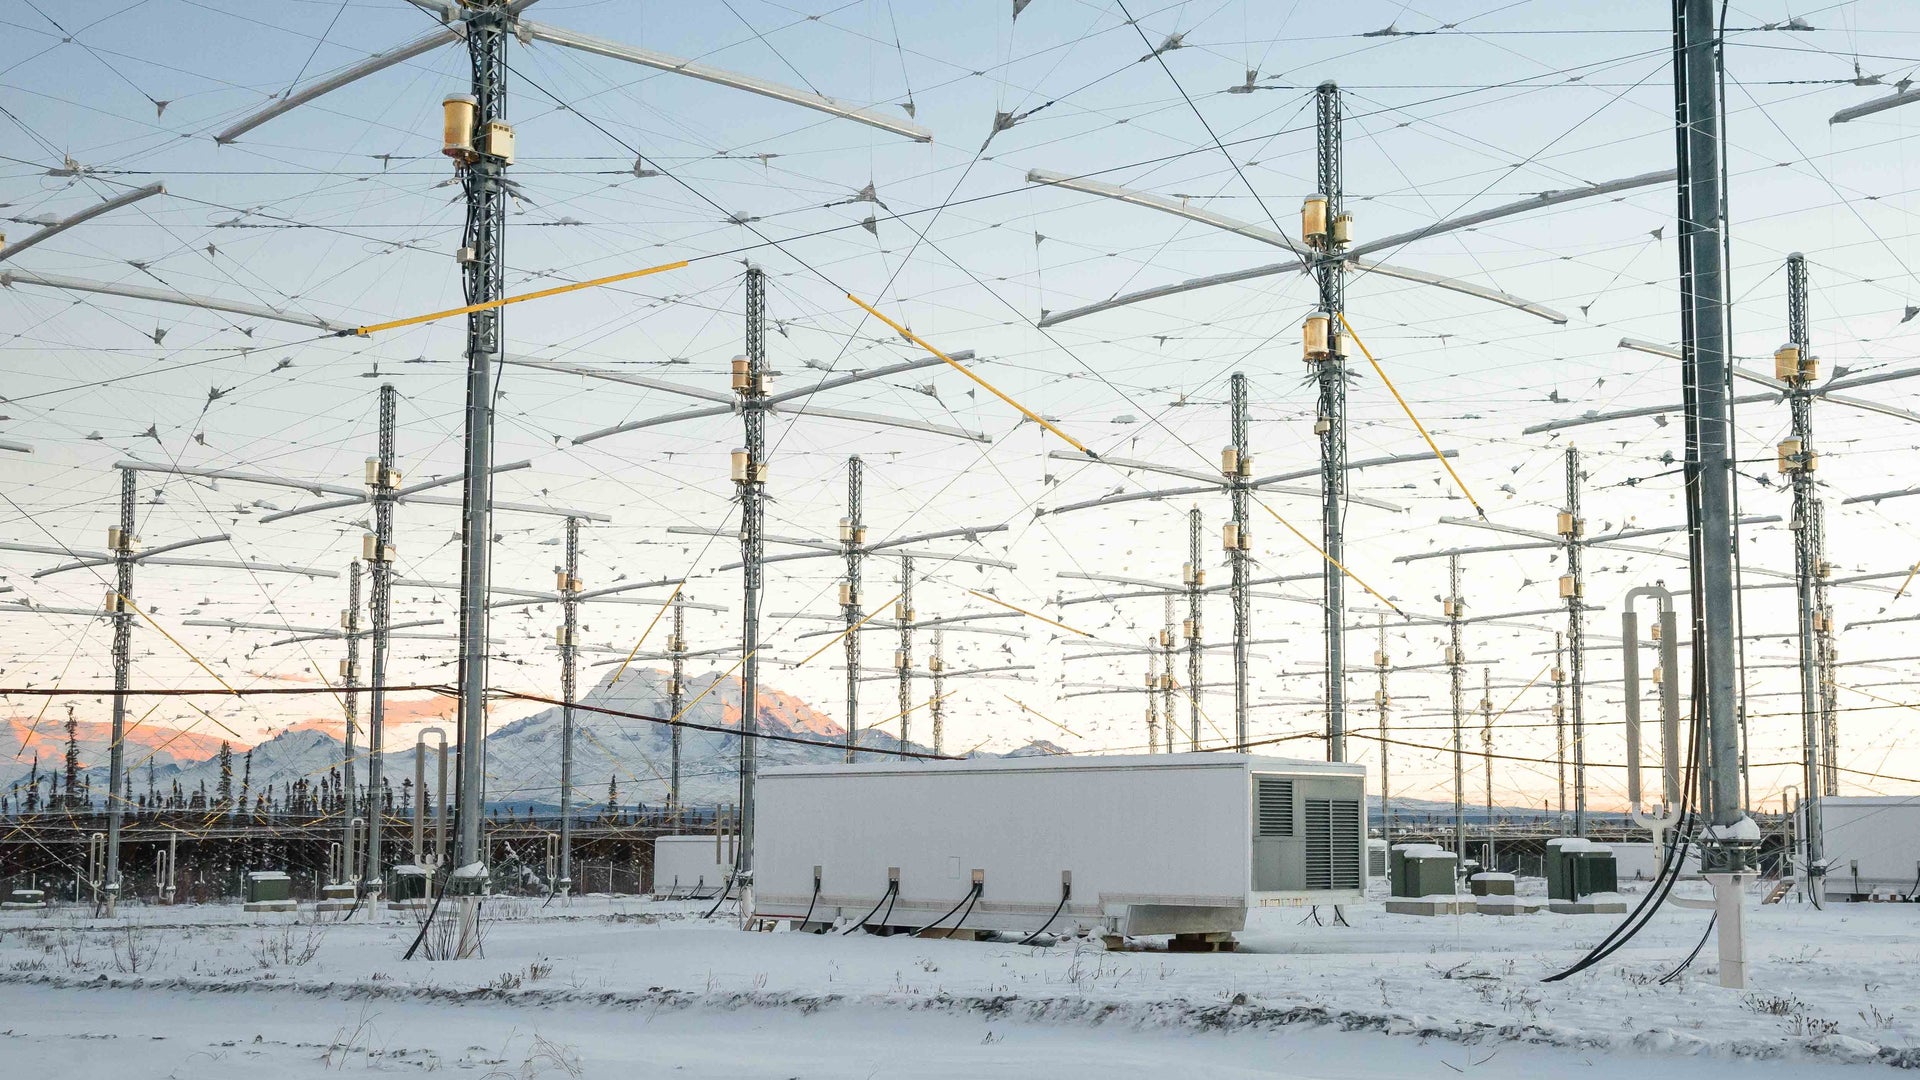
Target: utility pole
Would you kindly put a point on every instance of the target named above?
(1573, 587)
(350, 701)
(1383, 701)
(903, 655)
(1195, 576)
(751, 379)
(677, 690)
(482, 164)
(1454, 609)
(1328, 230)
(1728, 845)
(124, 546)
(937, 664)
(1486, 744)
(383, 482)
(569, 589)
(853, 536)
(1167, 680)
(1560, 718)
(1237, 464)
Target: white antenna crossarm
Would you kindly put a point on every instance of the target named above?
(88, 214)
(11, 278)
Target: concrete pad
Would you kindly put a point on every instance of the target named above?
(1430, 905)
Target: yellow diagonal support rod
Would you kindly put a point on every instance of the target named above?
(176, 644)
(955, 365)
(842, 634)
(917, 708)
(1335, 563)
(1028, 614)
(363, 331)
(1417, 425)
(1902, 590)
(1026, 708)
(1523, 690)
(644, 633)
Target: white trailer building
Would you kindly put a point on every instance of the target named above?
(1124, 845)
(1872, 846)
(693, 867)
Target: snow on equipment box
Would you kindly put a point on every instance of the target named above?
(1128, 845)
(690, 867)
(1873, 847)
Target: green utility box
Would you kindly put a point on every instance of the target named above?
(409, 883)
(1491, 884)
(1417, 870)
(1578, 868)
(269, 887)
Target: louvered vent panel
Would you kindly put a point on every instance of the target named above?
(1273, 801)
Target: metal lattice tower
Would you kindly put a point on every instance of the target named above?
(1486, 745)
(1572, 590)
(569, 590)
(380, 610)
(350, 705)
(483, 273)
(1196, 579)
(937, 664)
(677, 691)
(1456, 660)
(1153, 701)
(1167, 679)
(1829, 657)
(121, 611)
(1383, 701)
(1329, 271)
(853, 534)
(1239, 546)
(751, 481)
(1795, 456)
(903, 655)
(1560, 717)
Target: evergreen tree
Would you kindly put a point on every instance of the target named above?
(153, 794)
(223, 789)
(246, 777)
(73, 756)
(613, 795)
(33, 784)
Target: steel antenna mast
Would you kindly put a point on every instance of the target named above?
(677, 690)
(1167, 679)
(124, 546)
(1486, 743)
(750, 380)
(1560, 718)
(383, 483)
(1195, 576)
(1456, 659)
(937, 664)
(569, 589)
(482, 168)
(853, 536)
(1383, 701)
(1153, 701)
(1237, 465)
(903, 655)
(1573, 586)
(1329, 261)
(351, 875)
(1829, 655)
(1795, 364)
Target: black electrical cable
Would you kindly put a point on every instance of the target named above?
(808, 917)
(966, 900)
(1701, 944)
(1915, 894)
(438, 895)
(724, 890)
(1066, 892)
(892, 887)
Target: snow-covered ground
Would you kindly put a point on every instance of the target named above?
(620, 987)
